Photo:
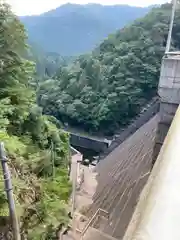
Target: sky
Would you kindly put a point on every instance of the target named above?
(31, 7)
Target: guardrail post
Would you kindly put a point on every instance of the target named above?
(9, 193)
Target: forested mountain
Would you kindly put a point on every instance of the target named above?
(74, 29)
(47, 63)
(105, 90)
(38, 152)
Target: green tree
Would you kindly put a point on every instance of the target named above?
(41, 200)
(106, 89)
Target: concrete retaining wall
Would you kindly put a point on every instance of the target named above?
(88, 143)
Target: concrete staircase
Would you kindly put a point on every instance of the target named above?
(85, 229)
(94, 233)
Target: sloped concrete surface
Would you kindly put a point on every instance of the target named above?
(121, 177)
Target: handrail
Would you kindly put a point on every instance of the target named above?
(92, 220)
(157, 215)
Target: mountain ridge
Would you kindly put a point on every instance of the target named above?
(74, 29)
(87, 5)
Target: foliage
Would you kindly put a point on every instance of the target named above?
(74, 29)
(39, 172)
(106, 89)
(47, 63)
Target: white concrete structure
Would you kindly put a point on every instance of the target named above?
(169, 93)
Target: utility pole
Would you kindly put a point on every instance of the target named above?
(168, 45)
(9, 193)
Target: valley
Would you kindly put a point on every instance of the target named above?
(90, 72)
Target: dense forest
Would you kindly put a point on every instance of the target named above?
(38, 152)
(47, 63)
(104, 90)
(74, 29)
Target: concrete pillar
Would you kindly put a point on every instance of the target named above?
(169, 93)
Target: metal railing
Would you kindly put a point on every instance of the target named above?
(157, 215)
(14, 221)
(92, 220)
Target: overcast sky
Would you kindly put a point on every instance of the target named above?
(29, 7)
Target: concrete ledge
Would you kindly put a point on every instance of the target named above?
(162, 132)
(169, 95)
(169, 83)
(170, 67)
(167, 112)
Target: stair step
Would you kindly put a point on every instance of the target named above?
(80, 222)
(108, 228)
(96, 234)
(67, 237)
(100, 223)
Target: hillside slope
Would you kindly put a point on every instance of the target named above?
(41, 191)
(74, 29)
(105, 90)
